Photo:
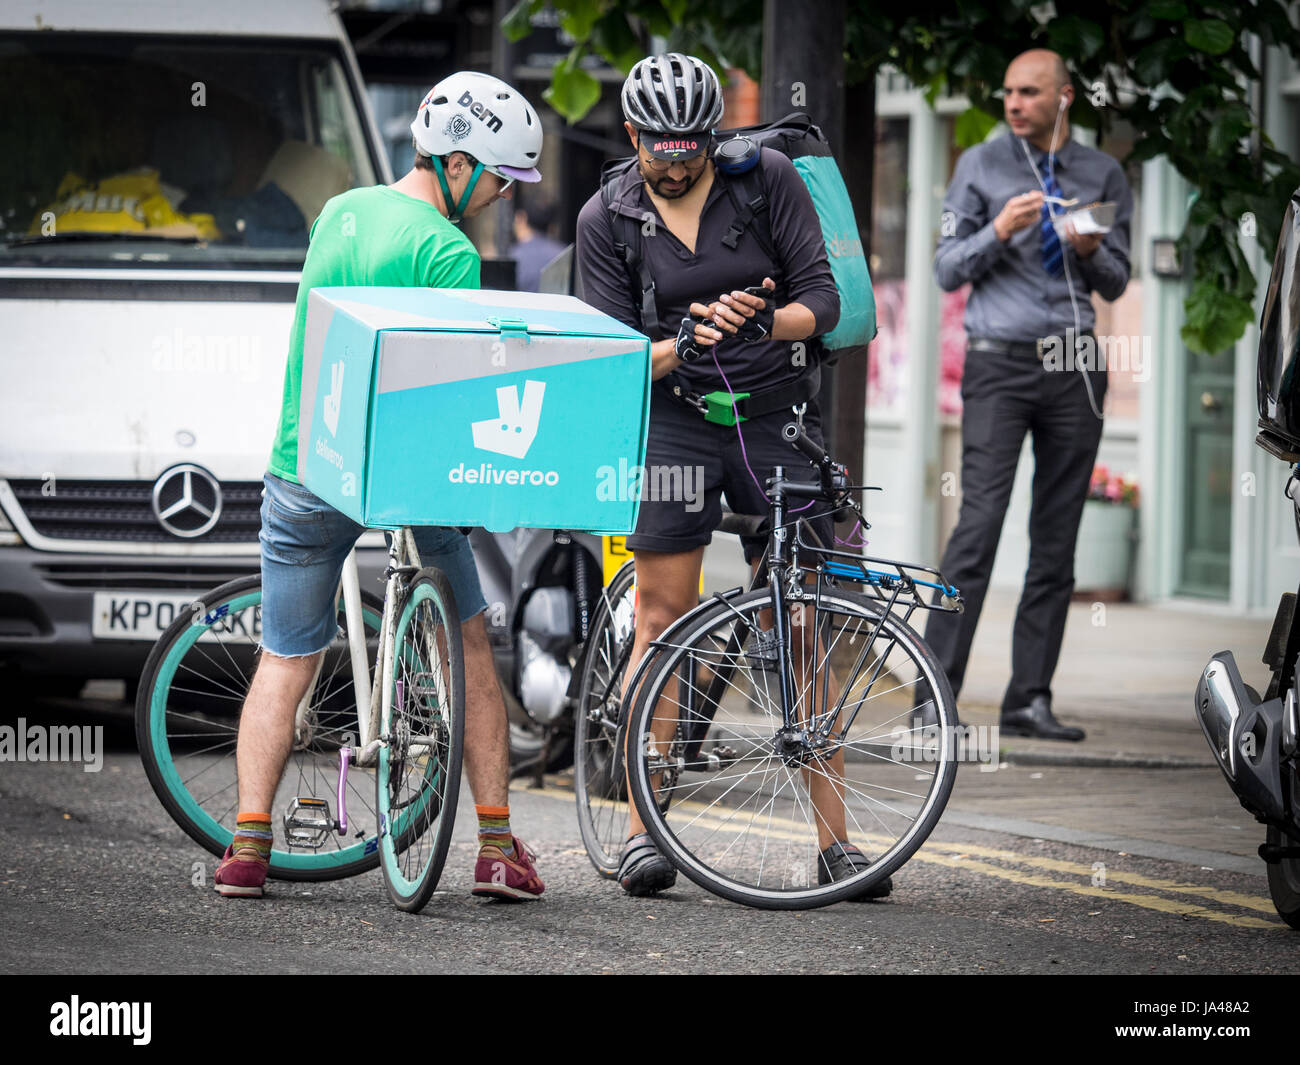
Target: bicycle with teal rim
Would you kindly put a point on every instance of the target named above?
(374, 773)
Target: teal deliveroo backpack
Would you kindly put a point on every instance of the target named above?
(737, 157)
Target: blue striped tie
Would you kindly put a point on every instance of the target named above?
(1053, 256)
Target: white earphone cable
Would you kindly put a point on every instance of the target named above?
(1065, 259)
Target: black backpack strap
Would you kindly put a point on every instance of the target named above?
(627, 245)
(750, 202)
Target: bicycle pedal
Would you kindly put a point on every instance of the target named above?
(721, 757)
(307, 823)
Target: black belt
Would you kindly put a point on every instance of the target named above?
(800, 390)
(1023, 348)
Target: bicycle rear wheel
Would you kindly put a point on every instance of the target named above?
(599, 783)
(747, 816)
(187, 723)
(418, 778)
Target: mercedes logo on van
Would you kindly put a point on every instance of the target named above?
(187, 501)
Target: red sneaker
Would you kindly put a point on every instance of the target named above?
(241, 875)
(510, 879)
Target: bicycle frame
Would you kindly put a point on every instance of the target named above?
(782, 568)
(374, 702)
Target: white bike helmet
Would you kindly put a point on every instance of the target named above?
(672, 93)
(485, 118)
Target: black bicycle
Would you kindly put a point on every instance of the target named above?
(768, 723)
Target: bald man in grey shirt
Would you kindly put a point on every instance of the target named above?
(1030, 367)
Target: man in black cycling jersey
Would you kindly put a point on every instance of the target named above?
(708, 335)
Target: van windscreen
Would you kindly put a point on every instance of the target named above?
(156, 149)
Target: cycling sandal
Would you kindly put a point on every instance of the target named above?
(842, 860)
(643, 870)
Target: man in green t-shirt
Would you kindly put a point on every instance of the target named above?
(467, 156)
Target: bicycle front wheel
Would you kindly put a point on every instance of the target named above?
(418, 778)
(748, 815)
(187, 724)
(599, 782)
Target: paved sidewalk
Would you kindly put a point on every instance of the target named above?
(1127, 674)
(1144, 781)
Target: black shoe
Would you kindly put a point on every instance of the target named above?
(1036, 721)
(840, 861)
(642, 869)
(924, 715)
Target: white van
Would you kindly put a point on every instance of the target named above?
(161, 171)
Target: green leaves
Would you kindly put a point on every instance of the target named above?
(1214, 318)
(972, 126)
(1153, 64)
(613, 38)
(1167, 9)
(573, 92)
(1210, 35)
(579, 16)
(516, 24)
(1277, 26)
(1227, 128)
(1075, 36)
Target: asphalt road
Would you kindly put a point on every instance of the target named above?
(95, 879)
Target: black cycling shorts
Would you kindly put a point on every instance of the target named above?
(690, 464)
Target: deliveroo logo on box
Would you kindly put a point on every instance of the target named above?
(332, 403)
(510, 433)
(334, 399)
(514, 429)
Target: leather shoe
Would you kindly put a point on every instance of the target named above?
(1036, 721)
(924, 715)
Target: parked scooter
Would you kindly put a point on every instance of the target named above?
(541, 589)
(1256, 739)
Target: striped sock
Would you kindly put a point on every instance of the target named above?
(494, 828)
(252, 832)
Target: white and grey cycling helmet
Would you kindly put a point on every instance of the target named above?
(485, 118)
(672, 93)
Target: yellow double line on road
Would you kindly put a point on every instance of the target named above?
(965, 856)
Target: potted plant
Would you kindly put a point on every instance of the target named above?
(1103, 556)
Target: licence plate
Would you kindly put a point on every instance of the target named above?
(146, 615)
(616, 553)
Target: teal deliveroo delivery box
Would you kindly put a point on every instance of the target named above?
(472, 407)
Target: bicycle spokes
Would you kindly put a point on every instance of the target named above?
(786, 781)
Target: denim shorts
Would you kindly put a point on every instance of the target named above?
(304, 544)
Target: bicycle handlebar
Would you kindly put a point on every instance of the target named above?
(834, 477)
(794, 433)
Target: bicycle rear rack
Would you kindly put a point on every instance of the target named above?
(898, 585)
